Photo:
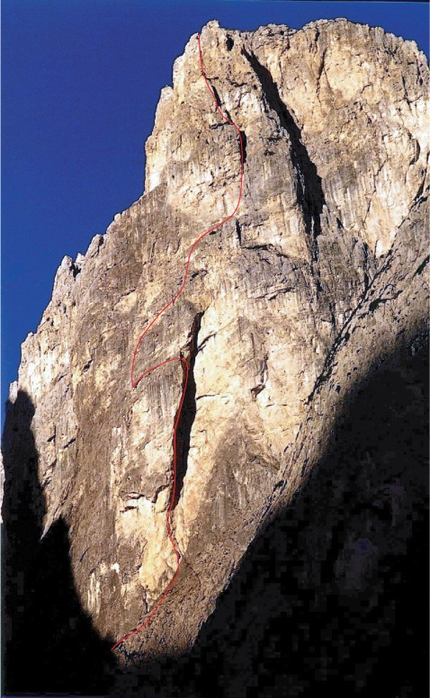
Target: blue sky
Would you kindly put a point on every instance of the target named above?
(80, 83)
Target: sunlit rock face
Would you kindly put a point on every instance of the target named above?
(288, 307)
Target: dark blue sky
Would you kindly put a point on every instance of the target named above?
(80, 83)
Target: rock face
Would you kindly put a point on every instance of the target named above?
(317, 282)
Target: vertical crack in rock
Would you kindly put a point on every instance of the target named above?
(218, 101)
(189, 408)
(243, 134)
(321, 69)
(239, 233)
(215, 91)
(227, 113)
(263, 378)
(309, 186)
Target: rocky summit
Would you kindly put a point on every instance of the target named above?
(301, 471)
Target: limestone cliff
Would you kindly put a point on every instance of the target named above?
(317, 281)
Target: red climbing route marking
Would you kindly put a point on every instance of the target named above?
(135, 381)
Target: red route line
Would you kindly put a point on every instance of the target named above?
(135, 382)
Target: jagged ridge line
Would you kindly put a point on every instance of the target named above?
(135, 382)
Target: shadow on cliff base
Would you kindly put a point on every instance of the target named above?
(332, 598)
(49, 644)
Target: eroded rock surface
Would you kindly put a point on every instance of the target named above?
(288, 307)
